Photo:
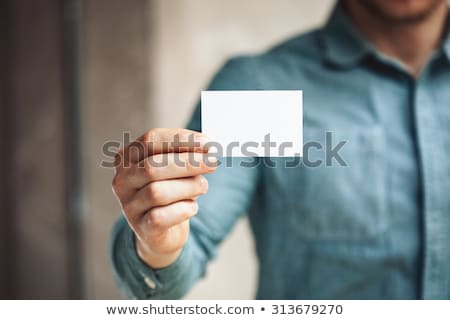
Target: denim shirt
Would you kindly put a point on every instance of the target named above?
(377, 227)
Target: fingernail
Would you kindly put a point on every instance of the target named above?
(213, 161)
(202, 140)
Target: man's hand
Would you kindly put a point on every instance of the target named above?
(158, 179)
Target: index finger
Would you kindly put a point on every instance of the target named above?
(162, 140)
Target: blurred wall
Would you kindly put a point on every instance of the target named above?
(37, 254)
(144, 63)
(190, 40)
(115, 93)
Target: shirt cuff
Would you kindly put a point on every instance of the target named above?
(136, 278)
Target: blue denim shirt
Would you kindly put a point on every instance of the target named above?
(377, 228)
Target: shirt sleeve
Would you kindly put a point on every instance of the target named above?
(231, 190)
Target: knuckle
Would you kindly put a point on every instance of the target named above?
(149, 170)
(155, 218)
(155, 192)
(152, 135)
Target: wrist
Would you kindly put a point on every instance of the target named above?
(155, 260)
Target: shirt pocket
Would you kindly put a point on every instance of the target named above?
(339, 201)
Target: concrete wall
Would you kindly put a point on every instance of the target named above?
(34, 197)
(144, 65)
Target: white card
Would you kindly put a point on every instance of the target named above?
(254, 123)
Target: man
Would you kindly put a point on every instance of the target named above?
(378, 76)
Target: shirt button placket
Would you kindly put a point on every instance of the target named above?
(435, 221)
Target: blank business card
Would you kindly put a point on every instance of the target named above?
(254, 123)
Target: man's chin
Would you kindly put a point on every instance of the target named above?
(403, 11)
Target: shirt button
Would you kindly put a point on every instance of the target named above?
(150, 283)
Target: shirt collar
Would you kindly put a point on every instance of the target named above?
(346, 47)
